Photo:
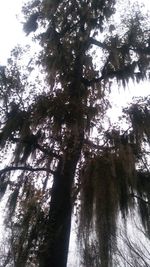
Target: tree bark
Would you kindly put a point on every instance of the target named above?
(56, 243)
(56, 246)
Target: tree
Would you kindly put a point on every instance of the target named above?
(59, 162)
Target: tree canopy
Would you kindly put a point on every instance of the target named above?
(57, 153)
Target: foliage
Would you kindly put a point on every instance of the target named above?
(50, 130)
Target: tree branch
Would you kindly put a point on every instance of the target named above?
(93, 145)
(25, 168)
(139, 198)
(119, 74)
(47, 151)
(97, 43)
(87, 82)
(37, 146)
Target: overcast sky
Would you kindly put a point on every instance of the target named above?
(10, 29)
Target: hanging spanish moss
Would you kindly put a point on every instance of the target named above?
(113, 182)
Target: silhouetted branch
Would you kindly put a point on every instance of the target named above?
(140, 198)
(106, 74)
(93, 145)
(97, 43)
(48, 151)
(25, 168)
(37, 146)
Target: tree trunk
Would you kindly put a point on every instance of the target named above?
(56, 242)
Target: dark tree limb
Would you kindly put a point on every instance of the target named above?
(95, 146)
(48, 151)
(97, 43)
(119, 74)
(140, 198)
(24, 168)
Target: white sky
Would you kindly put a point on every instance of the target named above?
(10, 29)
